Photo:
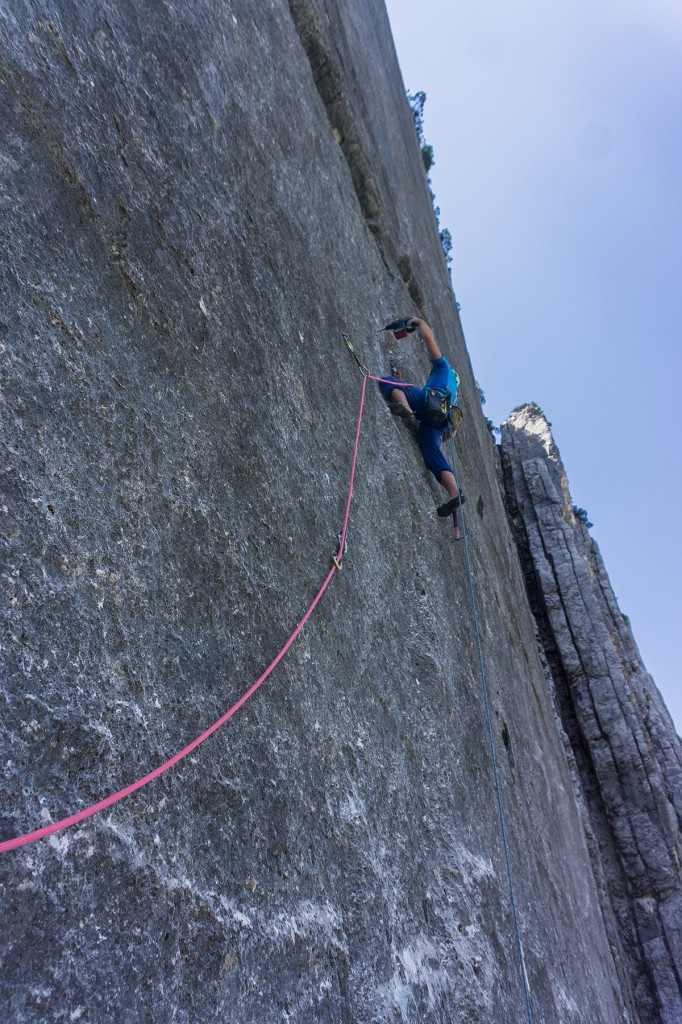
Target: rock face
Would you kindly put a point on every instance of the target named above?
(197, 199)
(627, 756)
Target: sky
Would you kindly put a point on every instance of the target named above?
(557, 134)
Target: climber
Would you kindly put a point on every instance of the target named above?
(428, 412)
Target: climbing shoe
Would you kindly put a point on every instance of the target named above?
(398, 409)
(451, 505)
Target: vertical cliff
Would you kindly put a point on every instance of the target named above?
(197, 200)
(627, 755)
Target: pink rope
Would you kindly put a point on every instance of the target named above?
(342, 542)
(386, 380)
(58, 826)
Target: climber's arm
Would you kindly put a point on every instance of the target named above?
(427, 337)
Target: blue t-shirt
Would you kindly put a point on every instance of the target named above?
(443, 378)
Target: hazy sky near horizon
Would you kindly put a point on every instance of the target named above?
(557, 133)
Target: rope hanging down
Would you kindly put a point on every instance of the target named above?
(491, 738)
(58, 826)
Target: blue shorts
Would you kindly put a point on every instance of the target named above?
(430, 437)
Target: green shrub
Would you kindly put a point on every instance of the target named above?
(581, 514)
(417, 101)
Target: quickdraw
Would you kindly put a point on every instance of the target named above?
(356, 357)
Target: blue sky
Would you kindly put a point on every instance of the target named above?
(557, 133)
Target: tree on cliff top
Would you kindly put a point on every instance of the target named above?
(417, 101)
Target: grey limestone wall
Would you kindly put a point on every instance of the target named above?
(627, 755)
(185, 234)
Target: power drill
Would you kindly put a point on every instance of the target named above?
(400, 328)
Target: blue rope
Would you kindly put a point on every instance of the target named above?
(524, 976)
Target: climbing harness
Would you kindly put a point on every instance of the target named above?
(437, 405)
